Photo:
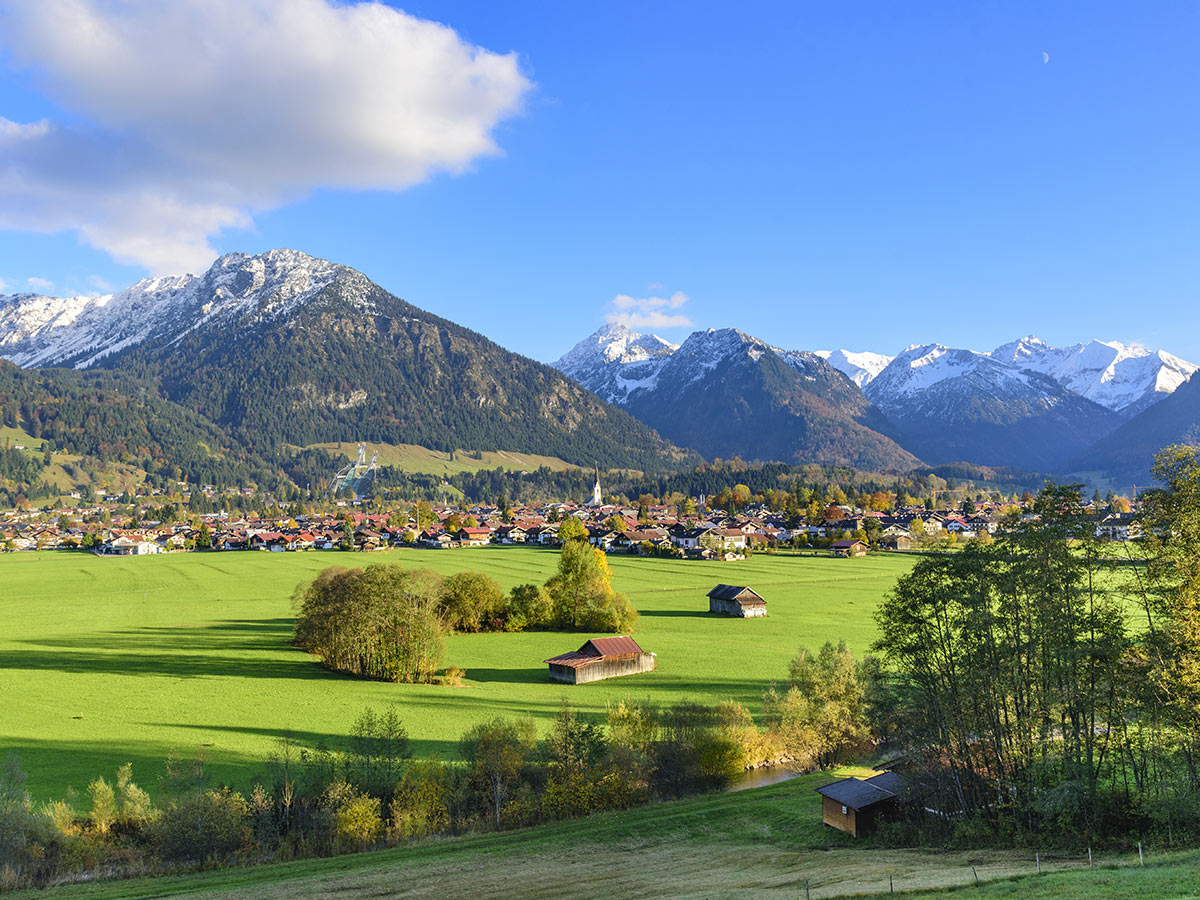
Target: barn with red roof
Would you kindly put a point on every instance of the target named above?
(601, 658)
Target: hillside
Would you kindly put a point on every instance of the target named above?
(283, 349)
(767, 843)
(1124, 457)
(416, 459)
(95, 421)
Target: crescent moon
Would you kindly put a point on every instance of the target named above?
(1045, 57)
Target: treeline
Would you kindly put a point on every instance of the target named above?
(1040, 691)
(728, 484)
(388, 622)
(368, 792)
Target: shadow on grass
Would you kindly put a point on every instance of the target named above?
(221, 650)
(164, 665)
(509, 676)
(300, 739)
(230, 634)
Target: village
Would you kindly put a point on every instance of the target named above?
(107, 527)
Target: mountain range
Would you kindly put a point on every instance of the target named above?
(283, 349)
(262, 354)
(1026, 404)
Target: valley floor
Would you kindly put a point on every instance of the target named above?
(107, 661)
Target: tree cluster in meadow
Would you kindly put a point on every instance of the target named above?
(388, 622)
(1043, 690)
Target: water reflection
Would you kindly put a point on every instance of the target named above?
(756, 778)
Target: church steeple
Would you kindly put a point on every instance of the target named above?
(597, 495)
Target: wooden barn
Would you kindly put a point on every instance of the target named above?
(601, 658)
(848, 548)
(857, 804)
(736, 600)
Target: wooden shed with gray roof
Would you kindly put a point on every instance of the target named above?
(856, 804)
(736, 600)
(601, 658)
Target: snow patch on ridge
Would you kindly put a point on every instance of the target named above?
(80, 331)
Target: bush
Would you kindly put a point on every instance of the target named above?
(356, 820)
(203, 827)
(104, 806)
(420, 804)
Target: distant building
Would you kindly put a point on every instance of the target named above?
(848, 548)
(736, 600)
(857, 804)
(601, 658)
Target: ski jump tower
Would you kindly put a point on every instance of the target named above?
(356, 475)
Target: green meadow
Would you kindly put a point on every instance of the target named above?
(106, 661)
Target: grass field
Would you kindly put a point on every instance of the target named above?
(765, 844)
(104, 661)
(422, 460)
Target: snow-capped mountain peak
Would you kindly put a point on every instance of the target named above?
(1125, 378)
(920, 367)
(80, 331)
(616, 360)
(859, 367)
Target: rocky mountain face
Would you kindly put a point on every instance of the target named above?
(725, 393)
(285, 349)
(958, 405)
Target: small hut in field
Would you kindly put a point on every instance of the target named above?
(857, 804)
(601, 658)
(736, 600)
(851, 549)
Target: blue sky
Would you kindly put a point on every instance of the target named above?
(858, 175)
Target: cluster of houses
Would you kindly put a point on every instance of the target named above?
(657, 530)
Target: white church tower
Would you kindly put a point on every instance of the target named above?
(597, 498)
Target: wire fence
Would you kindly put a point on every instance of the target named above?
(894, 880)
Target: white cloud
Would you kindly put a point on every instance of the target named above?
(198, 113)
(39, 284)
(649, 312)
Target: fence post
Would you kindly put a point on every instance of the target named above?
(1090, 866)
(1037, 858)
(891, 886)
(1141, 859)
(976, 874)
(807, 895)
